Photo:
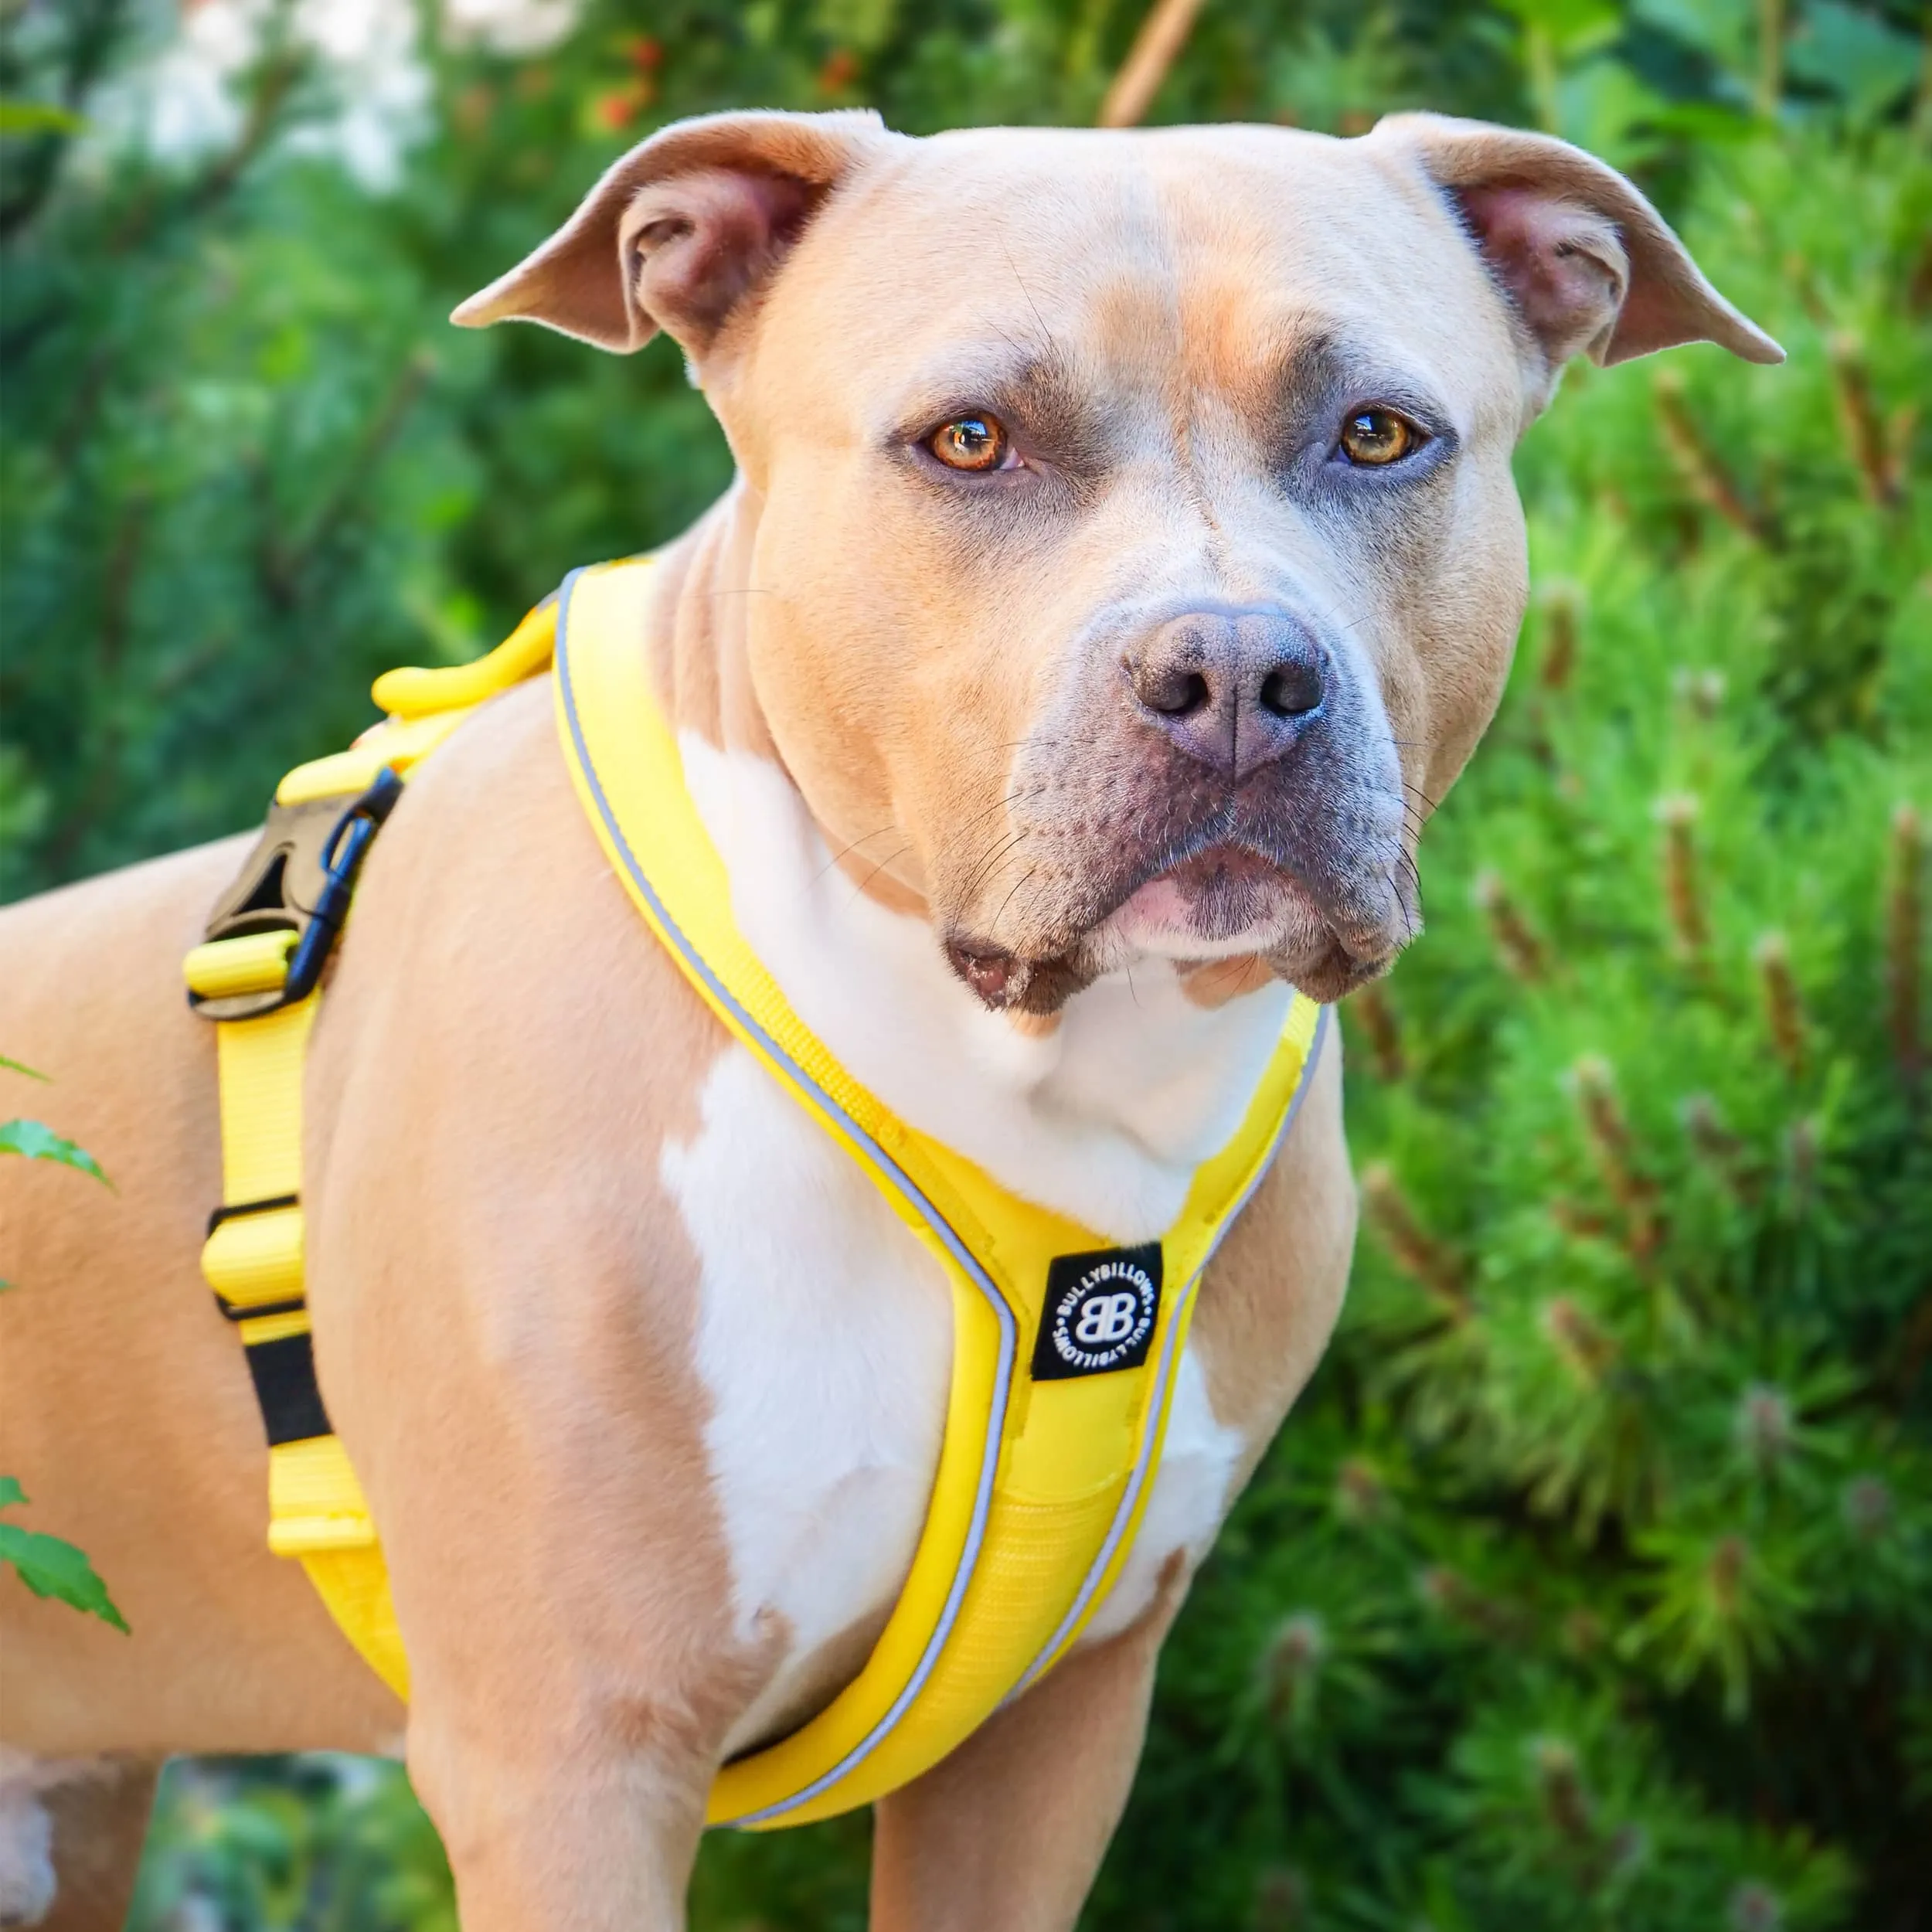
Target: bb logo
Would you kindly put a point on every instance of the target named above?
(1100, 1312)
(1107, 1318)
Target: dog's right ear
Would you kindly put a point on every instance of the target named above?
(1585, 263)
(681, 230)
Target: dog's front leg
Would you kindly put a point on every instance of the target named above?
(1006, 1833)
(589, 1830)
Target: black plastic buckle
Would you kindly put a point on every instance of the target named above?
(239, 1211)
(276, 880)
(342, 859)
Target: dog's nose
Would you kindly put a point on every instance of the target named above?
(1232, 689)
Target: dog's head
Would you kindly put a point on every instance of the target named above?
(1134, 552)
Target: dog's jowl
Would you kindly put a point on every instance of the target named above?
(821, 1164)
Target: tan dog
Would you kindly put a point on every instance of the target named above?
(1123, 555)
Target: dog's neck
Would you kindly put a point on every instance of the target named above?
(1103, 1116)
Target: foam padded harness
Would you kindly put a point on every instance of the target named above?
(1065, 1345)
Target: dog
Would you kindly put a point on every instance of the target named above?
(1123, 558)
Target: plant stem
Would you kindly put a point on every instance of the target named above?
(1683, 892)
(1865, 432)
(1700, 465)
(1522, 950)
(1371, 1007)
(1156, 48)
(1770, 58)
(1427, 1261)
(1783, 1011)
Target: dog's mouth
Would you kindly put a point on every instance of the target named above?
(1217, 898)
(1224, 899)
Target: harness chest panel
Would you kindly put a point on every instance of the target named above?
(1065, 1347)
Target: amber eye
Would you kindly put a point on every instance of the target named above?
(1378, 437)
(970, 443)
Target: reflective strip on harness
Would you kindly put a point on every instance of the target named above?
(1064, 1348)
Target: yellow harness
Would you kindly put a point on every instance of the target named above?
(1064, 1348)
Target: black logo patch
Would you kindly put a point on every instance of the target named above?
(1100, 1313)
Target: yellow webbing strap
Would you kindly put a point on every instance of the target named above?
(1041, 1485)
(252, 1259)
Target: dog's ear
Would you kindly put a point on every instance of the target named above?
(682, 230)
(1587, 262)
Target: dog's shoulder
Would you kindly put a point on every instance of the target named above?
(1274, 1288)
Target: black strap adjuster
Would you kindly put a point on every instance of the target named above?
(343, 856)
(298, 878)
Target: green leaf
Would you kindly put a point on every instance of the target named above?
(39, 1143)
(1725, 31)
(51, 1566)
(37, 118)
(1575, 27)
(19, 1067)
(1854, 54)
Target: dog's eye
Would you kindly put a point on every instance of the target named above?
(1376, 437)
(970, 443)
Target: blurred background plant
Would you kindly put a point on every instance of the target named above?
(1591, 1584)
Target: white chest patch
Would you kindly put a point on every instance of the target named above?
(824, 1340)
(824, 1343)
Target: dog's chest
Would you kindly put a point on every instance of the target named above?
(824, 1343)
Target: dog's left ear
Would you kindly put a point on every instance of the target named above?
(1588, 265)
(683, 231)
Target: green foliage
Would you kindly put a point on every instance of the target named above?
(49, 1567)
(37, 118)
(37, 1142)
(307, 1845)
(1591, 1584)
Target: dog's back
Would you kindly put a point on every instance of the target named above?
(110, 1338)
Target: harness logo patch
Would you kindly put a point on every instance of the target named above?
(1100, 1313)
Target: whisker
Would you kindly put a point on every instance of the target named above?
(853, 847)
(946, 849)
(1031, 873)
(988, 867)
(858, 890)
(1046, 335)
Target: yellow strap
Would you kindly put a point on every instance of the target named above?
(260, 1063)
(256, 1259)
(397, 742)
(256, 964)
(414, 693)
(1040, 1486)
(318, 1512)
